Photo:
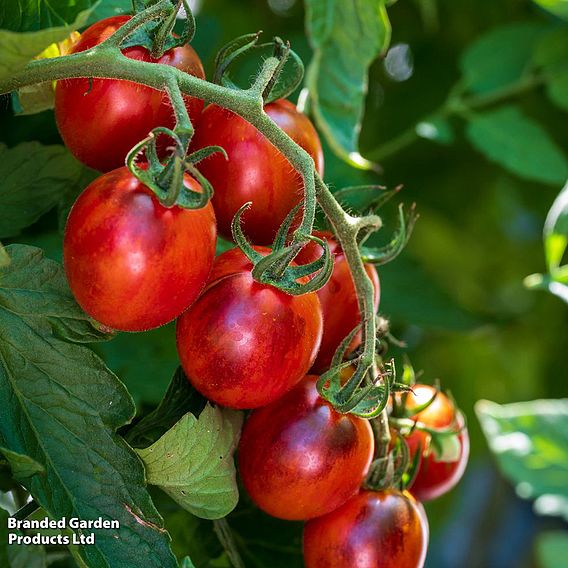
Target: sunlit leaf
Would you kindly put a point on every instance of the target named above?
(193, 462)
(530, 442)
(500, 57)
(347, 37)
(519, 144)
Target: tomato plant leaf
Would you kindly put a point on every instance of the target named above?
(551, 55)
(25, 30)
(500, 57)
(530, 442)
(22, 466)
(552, 549)
(519, 144)
(4, 256)
(180, 398)
(18, 556)
(557, 7)
(61, 406)
(346, 37)
(555, 231)
(193, 462)
(34, 179)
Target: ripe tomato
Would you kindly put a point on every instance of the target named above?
(338, 300)
(384, 529)
(299, 458)
(435, 477)
(244, 344)
(133, 264)
(101, 120)
(256, 171)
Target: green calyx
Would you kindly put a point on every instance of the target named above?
(285, 77)
(157, 35)
(276, 268)
(166, 179)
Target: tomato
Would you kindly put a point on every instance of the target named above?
(244, 344)
(256, 171)
(384, 529)
(435, 477)
(133, 264)
(299, 458)
(101, 120)
(338, 300)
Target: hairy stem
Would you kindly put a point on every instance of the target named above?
(106, 62)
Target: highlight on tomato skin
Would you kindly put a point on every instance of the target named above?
(131, 263)
(101, 120)
(435, 477)
(255, 170)
(338, 300)
(299, 458)
(243, 344)
(374, 529)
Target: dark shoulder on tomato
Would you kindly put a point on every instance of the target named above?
(233, 261)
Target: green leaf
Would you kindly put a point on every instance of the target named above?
(33, 180)
(4, 257)
(180, 398)
(519, 144)
(500, 57)
(555, 233)
(22, 466)
(551, 55)
(144, 361)
(346, 37)
(557, 7)
(18, 556)
(530, 442)
(193, 462)
(61, 407)
(187, 563)
(26, 30)
(552, 549)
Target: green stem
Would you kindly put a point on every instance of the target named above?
(106, 62)
(457, 105)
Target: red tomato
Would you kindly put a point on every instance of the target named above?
(299, 458)
(434, 477)
(133, 264)
(256, 171)
(244, 344)
(101, 120)
(384, 529)
(338, 300)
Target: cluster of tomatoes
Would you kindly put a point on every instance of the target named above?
(134, 264)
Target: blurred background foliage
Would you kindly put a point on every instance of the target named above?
(456, 294)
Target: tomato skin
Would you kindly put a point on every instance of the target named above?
(338, 300)
(299, 458)
(100, 121)
(243, 344)
(256, 171)
(435, 478)
(131, 263)
(384, 529)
